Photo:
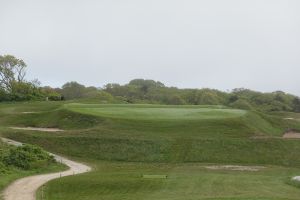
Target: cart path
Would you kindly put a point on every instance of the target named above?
(26, 188)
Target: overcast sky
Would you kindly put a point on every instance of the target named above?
(221, 44)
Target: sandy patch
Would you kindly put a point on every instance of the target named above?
(235, 168)
(29, 112)
(296, 178)
(291, 135)
(289, 118)
(155, 176)
(263, 137)
(38, 129)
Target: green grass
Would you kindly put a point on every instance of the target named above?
(125, 142)
(154, 112)
(112, 181)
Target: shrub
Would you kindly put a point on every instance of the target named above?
(27, 157)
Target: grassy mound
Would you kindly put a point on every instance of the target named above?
(154, 133)
(124, 142)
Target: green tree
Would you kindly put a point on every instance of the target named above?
(296, 104)
(73, 90)
(12, 71)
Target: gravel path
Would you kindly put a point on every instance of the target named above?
(25, 188)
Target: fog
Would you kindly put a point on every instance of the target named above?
(188, 44)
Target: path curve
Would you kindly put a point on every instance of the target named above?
(26, 188)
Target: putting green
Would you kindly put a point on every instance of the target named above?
(150, 112)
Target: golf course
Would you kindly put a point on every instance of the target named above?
(143, 151)
(150, 100)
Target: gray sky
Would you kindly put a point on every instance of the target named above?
(221, 44)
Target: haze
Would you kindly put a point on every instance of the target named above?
(189, 43)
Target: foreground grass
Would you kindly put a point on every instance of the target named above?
(112, 181)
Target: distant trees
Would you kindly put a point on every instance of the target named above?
(149, 91)
(53, 94)
(207, 97)
(275, 101)
(296, 104)
(13, 86)
(73, 90)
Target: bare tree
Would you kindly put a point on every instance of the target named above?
(11, 70)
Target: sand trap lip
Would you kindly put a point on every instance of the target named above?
(289, 118)
(25, 188)
(296, 178)
(31, 112)
(287, 135)
(235, 168)
(264, 137)
(291, 135)
(152, 176)
(38, 129)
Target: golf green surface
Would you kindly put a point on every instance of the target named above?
(147, 112)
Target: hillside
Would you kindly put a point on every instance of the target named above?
(123, 142)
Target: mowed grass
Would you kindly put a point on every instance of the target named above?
(114, 181)
(154, 112)
(125, 142)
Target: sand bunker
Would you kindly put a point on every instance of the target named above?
(236, 168)
(289, 118)
(296, 178)
(37, 129)
(29, 112)
(288, 135)
(263, 137)
(291, 135)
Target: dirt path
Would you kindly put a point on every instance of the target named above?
(25, 188)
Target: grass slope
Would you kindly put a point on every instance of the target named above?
(167, 140)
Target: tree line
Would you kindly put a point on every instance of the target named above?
(14, 87)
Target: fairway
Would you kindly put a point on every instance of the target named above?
(152, 112)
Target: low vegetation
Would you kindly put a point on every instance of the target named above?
(26, 157)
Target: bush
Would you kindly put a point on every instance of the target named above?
(27, 157)
(241, 104)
